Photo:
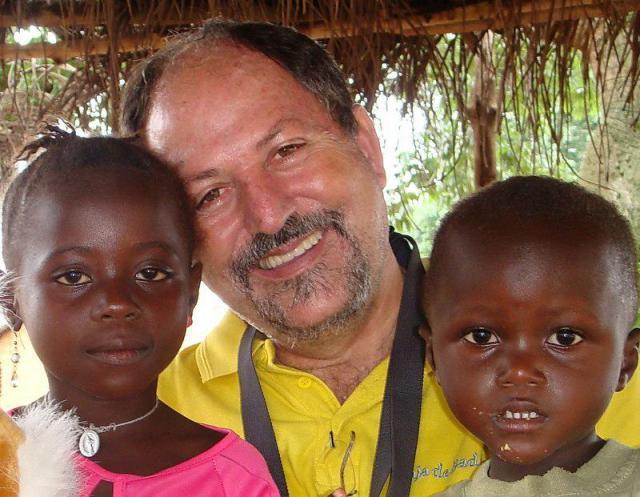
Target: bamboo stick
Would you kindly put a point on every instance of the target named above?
(471, 18)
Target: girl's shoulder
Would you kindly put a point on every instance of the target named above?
(242, 468)
(231, 467)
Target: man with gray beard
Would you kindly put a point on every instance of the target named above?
(321, 365)
(307, 286)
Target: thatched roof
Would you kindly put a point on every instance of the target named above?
(400, 47)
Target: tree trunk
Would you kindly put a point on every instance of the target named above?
(611, 163)
(483, 115)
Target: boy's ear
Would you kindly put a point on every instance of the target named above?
(425, 332)
(194, 285)
(629, 358)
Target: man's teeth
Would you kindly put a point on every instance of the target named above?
(521, 415)
(304, 245)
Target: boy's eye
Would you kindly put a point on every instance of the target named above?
(73, 278)
(564, 337)
(481, 336)
(152, 274)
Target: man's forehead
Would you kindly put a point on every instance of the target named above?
(231, 99)
(220, 74)
(216, 61)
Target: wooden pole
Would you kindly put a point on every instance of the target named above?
(483, 115)
(472, 18)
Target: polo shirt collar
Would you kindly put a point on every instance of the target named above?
(217, 354)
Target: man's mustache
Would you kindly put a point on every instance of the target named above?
(296, 226)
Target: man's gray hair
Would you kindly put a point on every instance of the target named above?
(303, 58)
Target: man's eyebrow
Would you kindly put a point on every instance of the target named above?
(276, 129)
(203, 175)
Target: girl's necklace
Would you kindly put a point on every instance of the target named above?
(89, 442)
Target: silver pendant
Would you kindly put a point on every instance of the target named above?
(89, 443)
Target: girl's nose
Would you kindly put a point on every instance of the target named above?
(114, 303)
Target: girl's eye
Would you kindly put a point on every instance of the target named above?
(152, 274)
(481, 336)
(288, 149)
(564, 337)
(73, 278)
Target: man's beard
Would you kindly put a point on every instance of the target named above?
(314, 284)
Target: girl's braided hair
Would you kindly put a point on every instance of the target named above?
(57, 157)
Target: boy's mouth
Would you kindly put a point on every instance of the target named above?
(520, 416)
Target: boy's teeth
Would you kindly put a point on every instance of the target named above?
(304, 245)
(521, 415)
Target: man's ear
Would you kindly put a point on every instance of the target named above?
(195, 277)
(629, 358)
(425, 332)
(369, 144)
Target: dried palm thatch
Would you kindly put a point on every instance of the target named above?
(481, 56)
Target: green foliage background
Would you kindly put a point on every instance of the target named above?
(439, 171)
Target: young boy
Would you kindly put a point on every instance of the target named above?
(530, 297)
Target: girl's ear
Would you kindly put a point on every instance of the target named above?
(13, 317)
(629, 358)
(8, 301)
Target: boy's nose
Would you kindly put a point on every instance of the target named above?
(520, 368)
(115, 303)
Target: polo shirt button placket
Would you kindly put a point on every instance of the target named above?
(304, 382)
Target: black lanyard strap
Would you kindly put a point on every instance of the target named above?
(401, 406)
(258, 429)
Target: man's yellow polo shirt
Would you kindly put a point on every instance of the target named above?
(313, 429)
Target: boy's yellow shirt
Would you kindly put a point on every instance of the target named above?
(313, 429)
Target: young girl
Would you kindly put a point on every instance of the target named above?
(99, 237)
(531, 296)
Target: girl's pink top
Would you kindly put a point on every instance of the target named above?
(230, 468)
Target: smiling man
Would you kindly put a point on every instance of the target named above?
(321, 366)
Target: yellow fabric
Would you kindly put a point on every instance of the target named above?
(202, 383)
(11, 437)
(620, 421)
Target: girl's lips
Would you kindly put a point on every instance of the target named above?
(119, 357)
(119, 350)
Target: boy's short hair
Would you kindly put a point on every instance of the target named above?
(559, 206)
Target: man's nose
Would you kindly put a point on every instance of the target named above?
(521, 366)
(115, 301)
(266, 205)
